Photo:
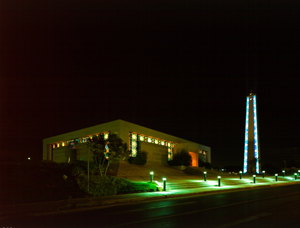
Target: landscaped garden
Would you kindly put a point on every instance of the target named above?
(47, 181)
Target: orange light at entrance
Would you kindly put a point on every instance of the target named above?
(194, 159)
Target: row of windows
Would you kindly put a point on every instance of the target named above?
(134, 138)
(74, 142)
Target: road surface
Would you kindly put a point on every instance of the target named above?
(262, 207)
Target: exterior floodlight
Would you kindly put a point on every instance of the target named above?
(283, 172)
(219, 181)
(263, 172)
(295, 176)
(254, 178)
(276, 177)
(164, 180)
(151, 175)
(204, 175)
(241, 174)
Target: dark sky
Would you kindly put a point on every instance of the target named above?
(180, 67)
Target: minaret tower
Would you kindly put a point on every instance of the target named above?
(251, 151)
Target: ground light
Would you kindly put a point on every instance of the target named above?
(151, 175)
(263, 173)
(219, 181)
(283, 172)
(164, 180)
(276, 177)
(241, 174)
(204, 175)
(254, 178)
(295, 176)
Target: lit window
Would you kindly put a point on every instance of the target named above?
(133, 136)
(134, 153)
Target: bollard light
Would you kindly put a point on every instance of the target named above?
(204, 175)
(241, 174)
(219, 181)
(254, 178)
(283, 172)
(295, 176)
(263, 172)
(276, 177)
(164, 180)
(151, 175)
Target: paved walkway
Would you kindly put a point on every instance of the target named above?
(192, 185)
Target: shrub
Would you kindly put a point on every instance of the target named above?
(207, 165)
(78, 171)
(181, 158)
(201, 163)
(109, 185)
(140, 159)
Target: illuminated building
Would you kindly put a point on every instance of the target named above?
(251, 145)
(159, 146)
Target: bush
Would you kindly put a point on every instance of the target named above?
(109, 185)
(206, 165)
(181, 158)
(201, 163)
(140, 159)
(77, 166)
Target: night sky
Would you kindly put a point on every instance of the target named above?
(179, 67)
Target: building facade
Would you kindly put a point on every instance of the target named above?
(159, 146)
(251, 147)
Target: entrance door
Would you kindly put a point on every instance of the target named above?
(194, 159)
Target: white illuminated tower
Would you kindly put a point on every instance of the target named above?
(251, 151)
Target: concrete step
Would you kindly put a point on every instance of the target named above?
(173, 186)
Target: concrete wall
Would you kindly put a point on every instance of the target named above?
(113, 126)
(156, 153)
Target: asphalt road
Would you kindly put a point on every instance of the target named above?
(265, 207)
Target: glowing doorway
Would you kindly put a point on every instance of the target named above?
(194, 159)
